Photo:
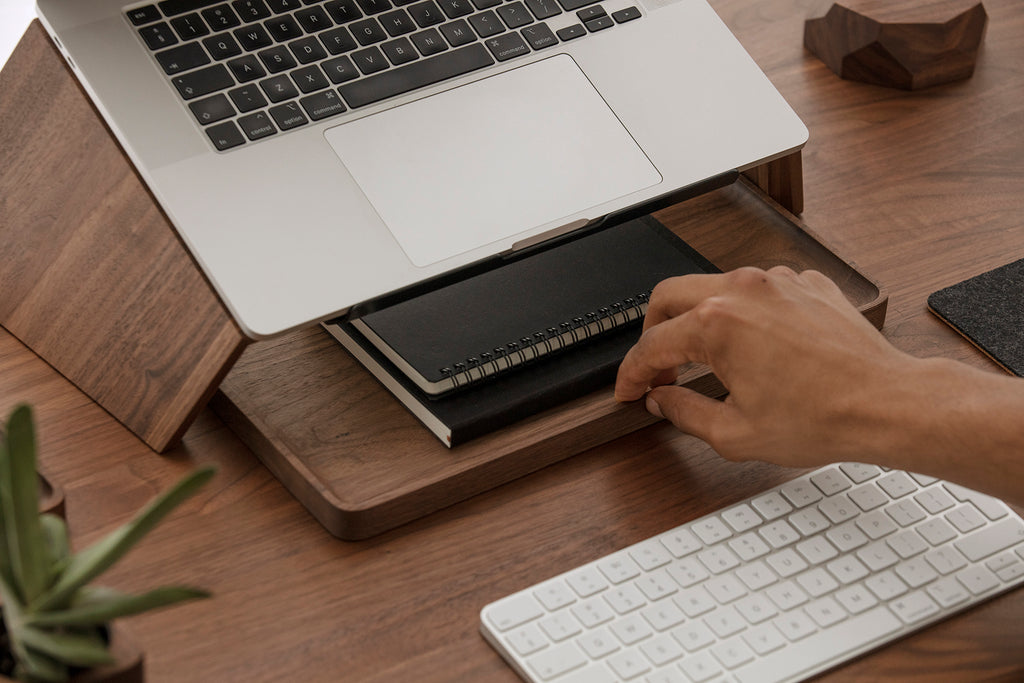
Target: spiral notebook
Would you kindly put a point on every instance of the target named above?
(486, 351)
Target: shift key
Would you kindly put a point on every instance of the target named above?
(991, 539)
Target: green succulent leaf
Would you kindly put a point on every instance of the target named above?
(86, 649)
(94, 560)
(19, 496)
(55, 535)
(35, 666)
(114, 605)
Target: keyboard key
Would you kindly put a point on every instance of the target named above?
(429, 42)
(203, 82)
(661, 650)
(907, 544)
(711, 530)
(456, 8)
(307, 50)
(283, 28)
(838, 509)
(457, 33)
(628, 665)
(593, 612)
(936, 531)
(948, 592)
(946, 560)
(221, 17)
(749, 546)
(965, 518)
(718, 559)
(507, 46)
(158, 36)
(279, 88)
(323, 104)
(830, 481)
(554, 595)
(886, 585)
(247, 98)
(786, 595)
(526, 640)
(251, 10)
(877, 556)
(143, 15)
(786, 563)
(486, 24)
(694, 601)
(764, 639)
(868, 497)
(847, 569)
(800, 493)
(631, 629)
(340, 69)
(313, 19)
(225, 135)
(560, 626)
(189, 27)
(624, 599)
(914, 607)
(570, 32)
(905, 512)
(182, 58)
(756, 608)
(859, 472)
(741, 518)
(733, 653)
(846, 537)
(543, 9)
(771, 505)
(513, 612)
(992, 539)
(222, 47)
(688, 572)
(256, 126)
(426, 14)
(816, 550)
(627, 14)
(515, 15)
(374, 6)
(680, 542)
(557, 660)
(989, 506)
(825, 612)
(253, 37)
(288, 116)
(246, 68)
(934, 500)
(725, 589)
(795, 625)
(539, 36)
(599, 643)
(310, 79)
(876, 525)
(817, 582)
(855, 599)
(897, 484)
(656, 585)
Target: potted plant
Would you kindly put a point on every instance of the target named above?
(56, 626)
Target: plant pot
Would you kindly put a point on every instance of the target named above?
(127, 666)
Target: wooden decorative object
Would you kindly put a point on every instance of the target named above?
(362, 464)
(51, 497)
(908, 44)
(94, 280)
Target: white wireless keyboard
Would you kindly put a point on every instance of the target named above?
(783, 586)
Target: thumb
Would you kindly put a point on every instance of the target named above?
(688, 410)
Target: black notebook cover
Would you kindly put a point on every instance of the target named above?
(988, 310)
(652, 253)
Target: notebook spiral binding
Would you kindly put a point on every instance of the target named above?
(547, 342)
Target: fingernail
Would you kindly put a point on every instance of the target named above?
(652, 407)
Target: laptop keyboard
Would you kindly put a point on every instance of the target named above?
(779, 587)
(249, 69)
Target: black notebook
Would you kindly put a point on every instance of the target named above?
(988, 310)
(470, 357)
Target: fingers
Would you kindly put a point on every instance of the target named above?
(677, 295)
(656, 357)
(690, 411)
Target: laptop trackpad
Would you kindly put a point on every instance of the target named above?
(488, 160)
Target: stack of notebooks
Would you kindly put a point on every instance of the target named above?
(531, 333)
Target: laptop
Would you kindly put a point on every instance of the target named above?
(314, 155)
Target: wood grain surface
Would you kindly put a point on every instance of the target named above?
(94, 278)
(920, 189)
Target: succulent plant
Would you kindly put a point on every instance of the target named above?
(55, 621)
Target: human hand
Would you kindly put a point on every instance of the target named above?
(804, 369)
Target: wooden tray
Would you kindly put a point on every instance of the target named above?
(362, 464)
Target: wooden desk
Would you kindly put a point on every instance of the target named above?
(919, 189)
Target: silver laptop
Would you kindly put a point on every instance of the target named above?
(317, 154)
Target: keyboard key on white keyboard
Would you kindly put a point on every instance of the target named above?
(694, 601)
(771, 505)
(554, 595)
(764, 639)
(663, 615)
(992, 539)
(948, 592)
(557, 660)
(936, 531)
(795, 625)
(718, 559)
(868, 497)
(527, 639)
(838, 508)
(877, 556)
(656, 585)
(825, 612)
(965, 518)
(725, 621)
(946, 559)
(662, 650)
(650, 555)
(847, 569)
(560, 626)
(749, 546)
(586, 582)
(701, 667)
(856, 599)
(786, 563)
(934, 500)
(897, 484)
(619, 568)
(816, 549)
(688, 572)
(876, 525)
(693, 636)
(817, 582)
(786, 595)
(741, 518)
(756, 608)
(599, 643)
(1014, 571)
(593, 612)
(628, 664)
(800, 493)
(831, 481)
(977, 579)
(711, 530)
(756, 575)
(732, 653)
(680, 542)
(725, 589)
(668, 675)
(592, 674)
(809, 521)
(514, 611)
(846, 537)
(886, 585)
(630, 630)
(905, 512)
(915, 572)
(914, 607)
(779, 534)
(859, 472)
(907, 543)
(625, 599)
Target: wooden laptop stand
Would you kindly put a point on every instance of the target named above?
(95, 281)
